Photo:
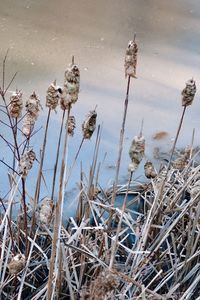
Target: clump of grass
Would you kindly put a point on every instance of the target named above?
(149, 248)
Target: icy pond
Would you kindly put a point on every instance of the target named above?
(42, 37)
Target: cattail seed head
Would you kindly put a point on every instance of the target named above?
(46, 211)
(188, 93)
(26, 162)
(53, 95)
(136, 152)
(16, 105)
(16, 264)
(71, 125)
(28, 124)
(149, 170)
(131, 59)
(71, 86)
(89, 125)
(33, 105)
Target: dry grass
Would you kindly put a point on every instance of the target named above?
(105, 252)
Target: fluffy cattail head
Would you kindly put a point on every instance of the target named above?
(149, 170)
(136, 152)
(26, 162)
(71, 125)
(71, 86)
(53, 95)
(188, 93)
(15, 105)
(28, 124)
(131, 59)
(89, 124)
(16, 264)
(46, 211)
(33, 105)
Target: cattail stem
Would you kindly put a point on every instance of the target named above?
(177, 135)
(75, 159)
(38, 184)
(171, 156)
(25, 215)
(121, 142)
(57, 155)
(58, 216)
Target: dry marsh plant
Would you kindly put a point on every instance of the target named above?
(146, 248)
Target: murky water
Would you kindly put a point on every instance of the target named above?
(43, 35)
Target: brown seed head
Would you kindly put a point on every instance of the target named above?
(89, 125)
(16, 104)
(131, 59)
(188, 93)
(53, 95)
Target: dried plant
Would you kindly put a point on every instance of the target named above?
(131, 59)
(89, 125)
(53, 95)
(33, 106)
(136, 152)
(71, 86)
(26, 162)
(181, 162)
(146, 248)
(149, 170)
(16, 264)
(16, 104)
(46, 211)
(28, 124)
(188, 93)
(71, 125)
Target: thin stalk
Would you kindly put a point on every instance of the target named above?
(172, 153)
(176, 138)
(10, 227)
(57, 156)
(121, 142)
(58, 218)
(75, 159)
(25, 216)
(38, 184)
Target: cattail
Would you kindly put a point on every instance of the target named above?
(16, 105)
(46, 211)
(33, 105)
(71, 86)
(53, 95)
(131, 59)
(16, 264)
(71, 125)
(181, 162)
(188, 93)
(28, 124)
(136, 152)
(149, 170)
(89, 125)
(26, 162)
